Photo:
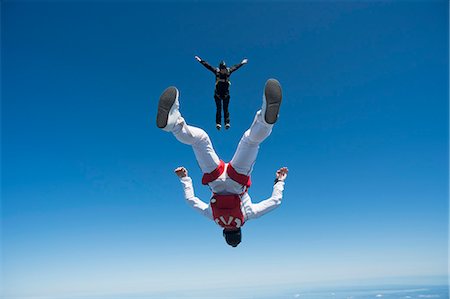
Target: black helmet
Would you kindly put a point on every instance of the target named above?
(233, 237)
(222, 65)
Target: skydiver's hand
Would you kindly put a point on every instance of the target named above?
(281, 174)
(244, 61)
(181, 172)
(198, 58)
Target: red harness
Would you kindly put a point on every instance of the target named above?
(213, 175)
(242, 179)
(227, 208)
(232, 173)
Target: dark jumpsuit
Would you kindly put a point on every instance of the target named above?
(222, 90)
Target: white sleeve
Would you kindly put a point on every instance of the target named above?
(269, 204)
(193, 201)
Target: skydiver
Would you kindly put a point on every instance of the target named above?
(230, 205)
(222, 88)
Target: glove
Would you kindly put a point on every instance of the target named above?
(198, 58)
(244, 61)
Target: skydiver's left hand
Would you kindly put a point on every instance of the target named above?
(244, 61)
(198, 58)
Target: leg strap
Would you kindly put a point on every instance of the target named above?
(213, 175)
(237, 177)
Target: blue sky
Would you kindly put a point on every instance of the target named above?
(89, 201)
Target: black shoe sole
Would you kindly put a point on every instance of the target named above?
(273, 94)
(166, 101)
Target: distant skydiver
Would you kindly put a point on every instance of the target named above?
(230, 205)
(222, 89)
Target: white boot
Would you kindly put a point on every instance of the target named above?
(168, 112)
(271, 101)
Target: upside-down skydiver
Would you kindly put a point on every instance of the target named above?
(230, 205)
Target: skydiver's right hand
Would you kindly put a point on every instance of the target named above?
(181, 172)
(244, 61)
(198, 58)
(281, 174)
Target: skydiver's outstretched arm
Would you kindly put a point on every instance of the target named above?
(206, 64)
(274, 201)
(235, 67)
(193, 201)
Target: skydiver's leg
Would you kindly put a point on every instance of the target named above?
(226, 114)
(248, 147)
(169, 119)
(201, 144)
(218, 109)
(247, 150)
